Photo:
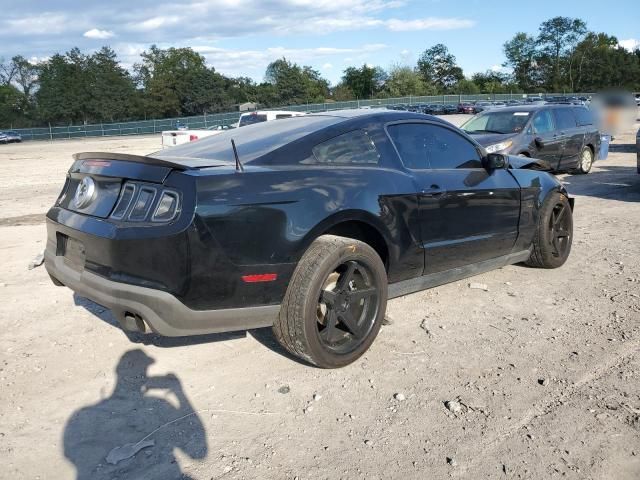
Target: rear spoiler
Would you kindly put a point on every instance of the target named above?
(125, 157)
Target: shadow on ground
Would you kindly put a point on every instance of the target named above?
(133, 433)
(624, 180)
(263, 336)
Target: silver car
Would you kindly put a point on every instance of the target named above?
(12, 136)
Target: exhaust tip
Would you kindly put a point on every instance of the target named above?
(134, 323)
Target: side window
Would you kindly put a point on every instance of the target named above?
(431, 146)
(280, 116)
(564, 118)
(583, 115)
(543, 122)
(349, 148)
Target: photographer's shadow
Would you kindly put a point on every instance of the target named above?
(133, 432)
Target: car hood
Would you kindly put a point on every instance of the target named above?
(486, 139)
(529, 163)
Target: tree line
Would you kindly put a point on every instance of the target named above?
(76, 87)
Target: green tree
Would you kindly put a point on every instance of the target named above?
(601, 63)
(404, 80)
(364, 82)
(466, 86)
(342, 92)
(64, 93)
(175, 81)
(112, 89)
(491, 81)
(438, 67)
(557, 38)
(11, 102)
(521, 56)
(294, 84)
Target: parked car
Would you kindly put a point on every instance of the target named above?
(12, 136)
(266, 116)
(482, 106)
(307, 225)
(435, 109)
(566, 136)
(450, 109)
(172, 138)
(466, 108)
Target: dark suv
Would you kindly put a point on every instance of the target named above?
(566, 136)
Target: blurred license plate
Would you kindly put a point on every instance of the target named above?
(72, 250)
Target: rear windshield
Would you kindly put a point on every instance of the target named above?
(251, 119)
(252, 141)
(497, 121)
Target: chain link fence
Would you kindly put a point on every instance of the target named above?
(145, 127)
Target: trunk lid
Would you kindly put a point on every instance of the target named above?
(107, 173)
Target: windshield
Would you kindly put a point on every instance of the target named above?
(251, 119)
(497, 122)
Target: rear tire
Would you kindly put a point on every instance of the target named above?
(586, 161)
(554, 233)
(335, 303)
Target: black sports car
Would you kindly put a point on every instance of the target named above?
(307, 224)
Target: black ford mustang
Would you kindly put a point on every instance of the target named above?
(307, 224)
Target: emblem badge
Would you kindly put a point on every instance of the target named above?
(84, 193)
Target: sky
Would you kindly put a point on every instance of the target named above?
(241, 37)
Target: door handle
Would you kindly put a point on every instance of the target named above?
(433, 191)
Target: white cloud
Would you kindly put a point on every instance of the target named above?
(235, 62)
(430, 23)
(327, 66)
(41, 24)
(630, 44)
(155, 23)
(98, 34)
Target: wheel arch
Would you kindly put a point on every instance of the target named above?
(356, 224)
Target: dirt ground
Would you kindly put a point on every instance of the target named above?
(543, 367)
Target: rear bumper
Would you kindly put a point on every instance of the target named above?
(138, 307)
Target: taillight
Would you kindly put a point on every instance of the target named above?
(167, 207)
(141, 202)
(142, 205)
(193, 137)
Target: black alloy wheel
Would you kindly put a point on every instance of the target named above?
(559, 235)
(348, 305)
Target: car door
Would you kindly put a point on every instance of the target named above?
(573, 136)
(548, 143)
(467, 214)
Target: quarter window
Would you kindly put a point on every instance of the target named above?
(430, 146)
(349, 148)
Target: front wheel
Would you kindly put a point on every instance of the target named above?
(335, 302)
(554, 233)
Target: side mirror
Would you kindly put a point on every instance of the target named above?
(539, 142)
(495, 161)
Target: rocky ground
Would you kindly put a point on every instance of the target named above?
(533, 375)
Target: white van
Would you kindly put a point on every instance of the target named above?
(258, 116)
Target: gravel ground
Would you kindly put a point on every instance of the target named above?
(537, 377)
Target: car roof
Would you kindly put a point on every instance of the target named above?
(525, 108)
(376, 115)
(259, 139)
